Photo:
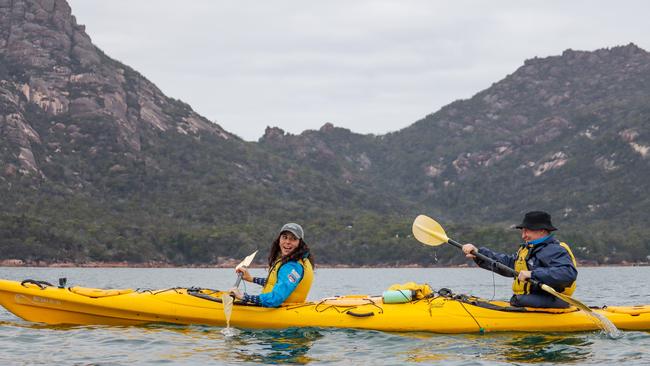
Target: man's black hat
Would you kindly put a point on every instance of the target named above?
(537, 220)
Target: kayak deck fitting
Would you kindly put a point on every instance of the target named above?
(441, 312)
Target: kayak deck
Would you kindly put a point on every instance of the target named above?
(43, 303)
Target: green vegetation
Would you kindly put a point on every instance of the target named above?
(58, 227)
(567, 134)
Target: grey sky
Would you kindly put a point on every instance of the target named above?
(371, 66)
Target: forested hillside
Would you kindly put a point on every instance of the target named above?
(97, 164)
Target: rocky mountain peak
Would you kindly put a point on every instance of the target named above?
(327, 127)
(44, 34)
(272, 134)
(51, 74)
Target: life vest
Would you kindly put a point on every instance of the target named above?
(299, 294)
(521, 264)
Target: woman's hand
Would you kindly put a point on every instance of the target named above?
(245, 275)
(469, 250)
(236, 293)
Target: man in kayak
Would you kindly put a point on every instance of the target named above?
(290, 274)
(542, 258)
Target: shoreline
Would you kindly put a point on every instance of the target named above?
(233, 263)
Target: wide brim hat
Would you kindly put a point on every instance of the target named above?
(537, 220)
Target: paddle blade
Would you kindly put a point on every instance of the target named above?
(427, 231)
(605, 324)
(247, 261)
(227, 301)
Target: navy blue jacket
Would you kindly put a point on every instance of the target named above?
(549, 263)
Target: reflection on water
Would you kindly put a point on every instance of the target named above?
(548, 348)
(493, 348)
(281, 346)
(275, 346)
(190, 345)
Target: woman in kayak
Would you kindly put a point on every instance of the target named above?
(290, 274)
(542, 258)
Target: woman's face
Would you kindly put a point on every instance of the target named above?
(288, 243)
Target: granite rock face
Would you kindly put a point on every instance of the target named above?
(49, 63)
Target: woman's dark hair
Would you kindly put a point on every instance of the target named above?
(301, 252)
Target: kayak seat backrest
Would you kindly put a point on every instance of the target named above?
(98, 292)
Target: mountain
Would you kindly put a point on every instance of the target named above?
(567, 133)
(97, 164)
(570, 133)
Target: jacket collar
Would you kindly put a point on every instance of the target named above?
(535, 244)
(540, 240)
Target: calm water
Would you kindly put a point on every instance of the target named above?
(23, 343)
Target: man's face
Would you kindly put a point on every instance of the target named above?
(530, 235)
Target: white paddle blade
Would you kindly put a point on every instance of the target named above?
(427, 231)
(227, 300)
(247, 261)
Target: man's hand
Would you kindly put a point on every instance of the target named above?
(469, 250)
(524, 275)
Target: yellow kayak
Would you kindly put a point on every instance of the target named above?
(41, 302)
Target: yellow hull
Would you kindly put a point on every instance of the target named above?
(52, 305)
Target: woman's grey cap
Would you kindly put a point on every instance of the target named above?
(293, 228)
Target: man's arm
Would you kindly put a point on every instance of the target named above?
(507, 260)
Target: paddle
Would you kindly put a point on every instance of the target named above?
(227, 299)
(244, 264)
(427, 231)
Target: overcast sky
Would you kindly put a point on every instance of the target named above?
(371, 66)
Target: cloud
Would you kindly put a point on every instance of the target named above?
(371, 66)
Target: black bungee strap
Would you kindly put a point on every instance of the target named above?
(471, 300)
(41, 284)
(360, 315)
(196, 291)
